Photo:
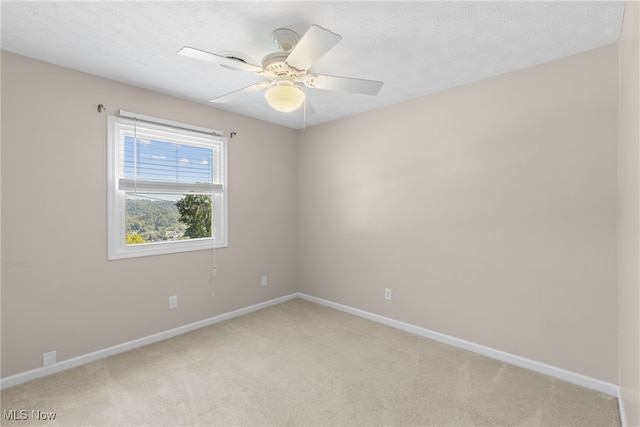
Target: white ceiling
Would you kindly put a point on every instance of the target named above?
(415, 48)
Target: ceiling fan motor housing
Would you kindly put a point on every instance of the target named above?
(276, 68)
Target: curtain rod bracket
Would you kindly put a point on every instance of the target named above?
(101, 108)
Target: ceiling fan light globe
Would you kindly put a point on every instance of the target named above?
(285, 98)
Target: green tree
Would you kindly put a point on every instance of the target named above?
(195, 213)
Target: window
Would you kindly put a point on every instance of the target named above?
(167, 187)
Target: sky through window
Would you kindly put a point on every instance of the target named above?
(166, 161)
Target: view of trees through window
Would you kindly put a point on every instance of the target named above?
(154, 218)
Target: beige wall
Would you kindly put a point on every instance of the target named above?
(489, 209)
(58, 290)
(629, 215)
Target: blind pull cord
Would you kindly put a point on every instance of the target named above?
(214, 262)
(135, 170)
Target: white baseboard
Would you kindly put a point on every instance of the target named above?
(552, 371)
(623, 414)
(120, 348)
(572, 377)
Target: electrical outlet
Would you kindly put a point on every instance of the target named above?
(263, 281)
(49, 358)
(387, 294)
(173, 301)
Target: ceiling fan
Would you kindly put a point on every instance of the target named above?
(288, 69)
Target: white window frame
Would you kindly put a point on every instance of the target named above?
(116, 203)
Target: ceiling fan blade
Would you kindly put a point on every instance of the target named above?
(202, 55)
(312, 46)
(244, 91)
(344, 84)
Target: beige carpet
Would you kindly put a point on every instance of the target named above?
(299, 363)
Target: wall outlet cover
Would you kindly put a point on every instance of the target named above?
(49, 358)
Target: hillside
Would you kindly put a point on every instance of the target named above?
(154, 220)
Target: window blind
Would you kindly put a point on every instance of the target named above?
(173, 161)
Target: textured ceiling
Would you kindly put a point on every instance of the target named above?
(415, 48)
